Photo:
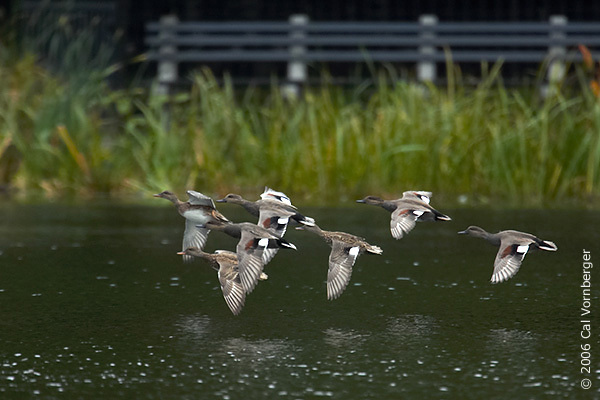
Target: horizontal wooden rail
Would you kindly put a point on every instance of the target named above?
(426, 43)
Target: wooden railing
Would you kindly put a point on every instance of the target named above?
(300, 42)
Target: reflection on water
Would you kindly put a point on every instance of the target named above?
(411, 327)
(90, 311)
(341, 339)
(254, 350)
(194, 327)
(512, 340)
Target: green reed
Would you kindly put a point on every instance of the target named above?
(486, 144)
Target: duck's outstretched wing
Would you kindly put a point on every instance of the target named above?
(193, 236)
(274, 221)
(403, 221)
(250, 260)
(200, 199)
(233, 291)
(341, 260)
(508, 261)
(424, 196)
(271, 194)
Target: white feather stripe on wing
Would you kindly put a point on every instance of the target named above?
(273, 222)
(402, 222)
(268, 254)
(507, 262)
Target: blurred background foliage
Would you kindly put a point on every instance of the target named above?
(67, 132)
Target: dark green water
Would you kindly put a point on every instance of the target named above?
(94, 303)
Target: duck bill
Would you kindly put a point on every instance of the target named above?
(463, 232)
(181, 253)
(360, 201)
(156, 195)
(221, 201)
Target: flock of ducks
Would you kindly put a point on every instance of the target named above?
(240, 271)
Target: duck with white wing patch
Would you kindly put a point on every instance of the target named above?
(514, 245)
(345, 249)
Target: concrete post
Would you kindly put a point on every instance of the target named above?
(296, 69)
(556, 52)
(427, 70)
(166, 69)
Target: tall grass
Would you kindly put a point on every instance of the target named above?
(489, 144)
(55, 106)
(484, 144)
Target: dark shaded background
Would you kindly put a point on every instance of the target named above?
(128, 18)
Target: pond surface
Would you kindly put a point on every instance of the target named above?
(95, 303)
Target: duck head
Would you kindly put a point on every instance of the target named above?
(167, 195)
(190, 251)
(231, 198)
(474, 231)
(371, 200)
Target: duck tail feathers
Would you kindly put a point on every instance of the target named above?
(263, 276)
(375, 249)
(284, 243)
(305, 220)
(547, 245)
(308, 221)
(442, 217)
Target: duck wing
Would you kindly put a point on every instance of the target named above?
(421, 195)
(200, 199)
(231, 286)
(403, 221)
(273, 246)
(275, 221)
(250, 251)
(273, 242)
(508, 261)
(193, 237)
(275, 195)
(341, 260)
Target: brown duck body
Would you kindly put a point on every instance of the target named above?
(199, 209)
(345, 249)
(413, 207)
(226, 265)
(255, 248)
(513, 246)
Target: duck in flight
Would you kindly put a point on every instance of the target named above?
(413, 207)
(513, 246)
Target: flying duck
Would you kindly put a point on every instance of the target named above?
(251, 248)
(199, 209)
(514, 245)
(345, 249)
(406, 211)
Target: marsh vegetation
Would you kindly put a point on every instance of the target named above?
(71, 134)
